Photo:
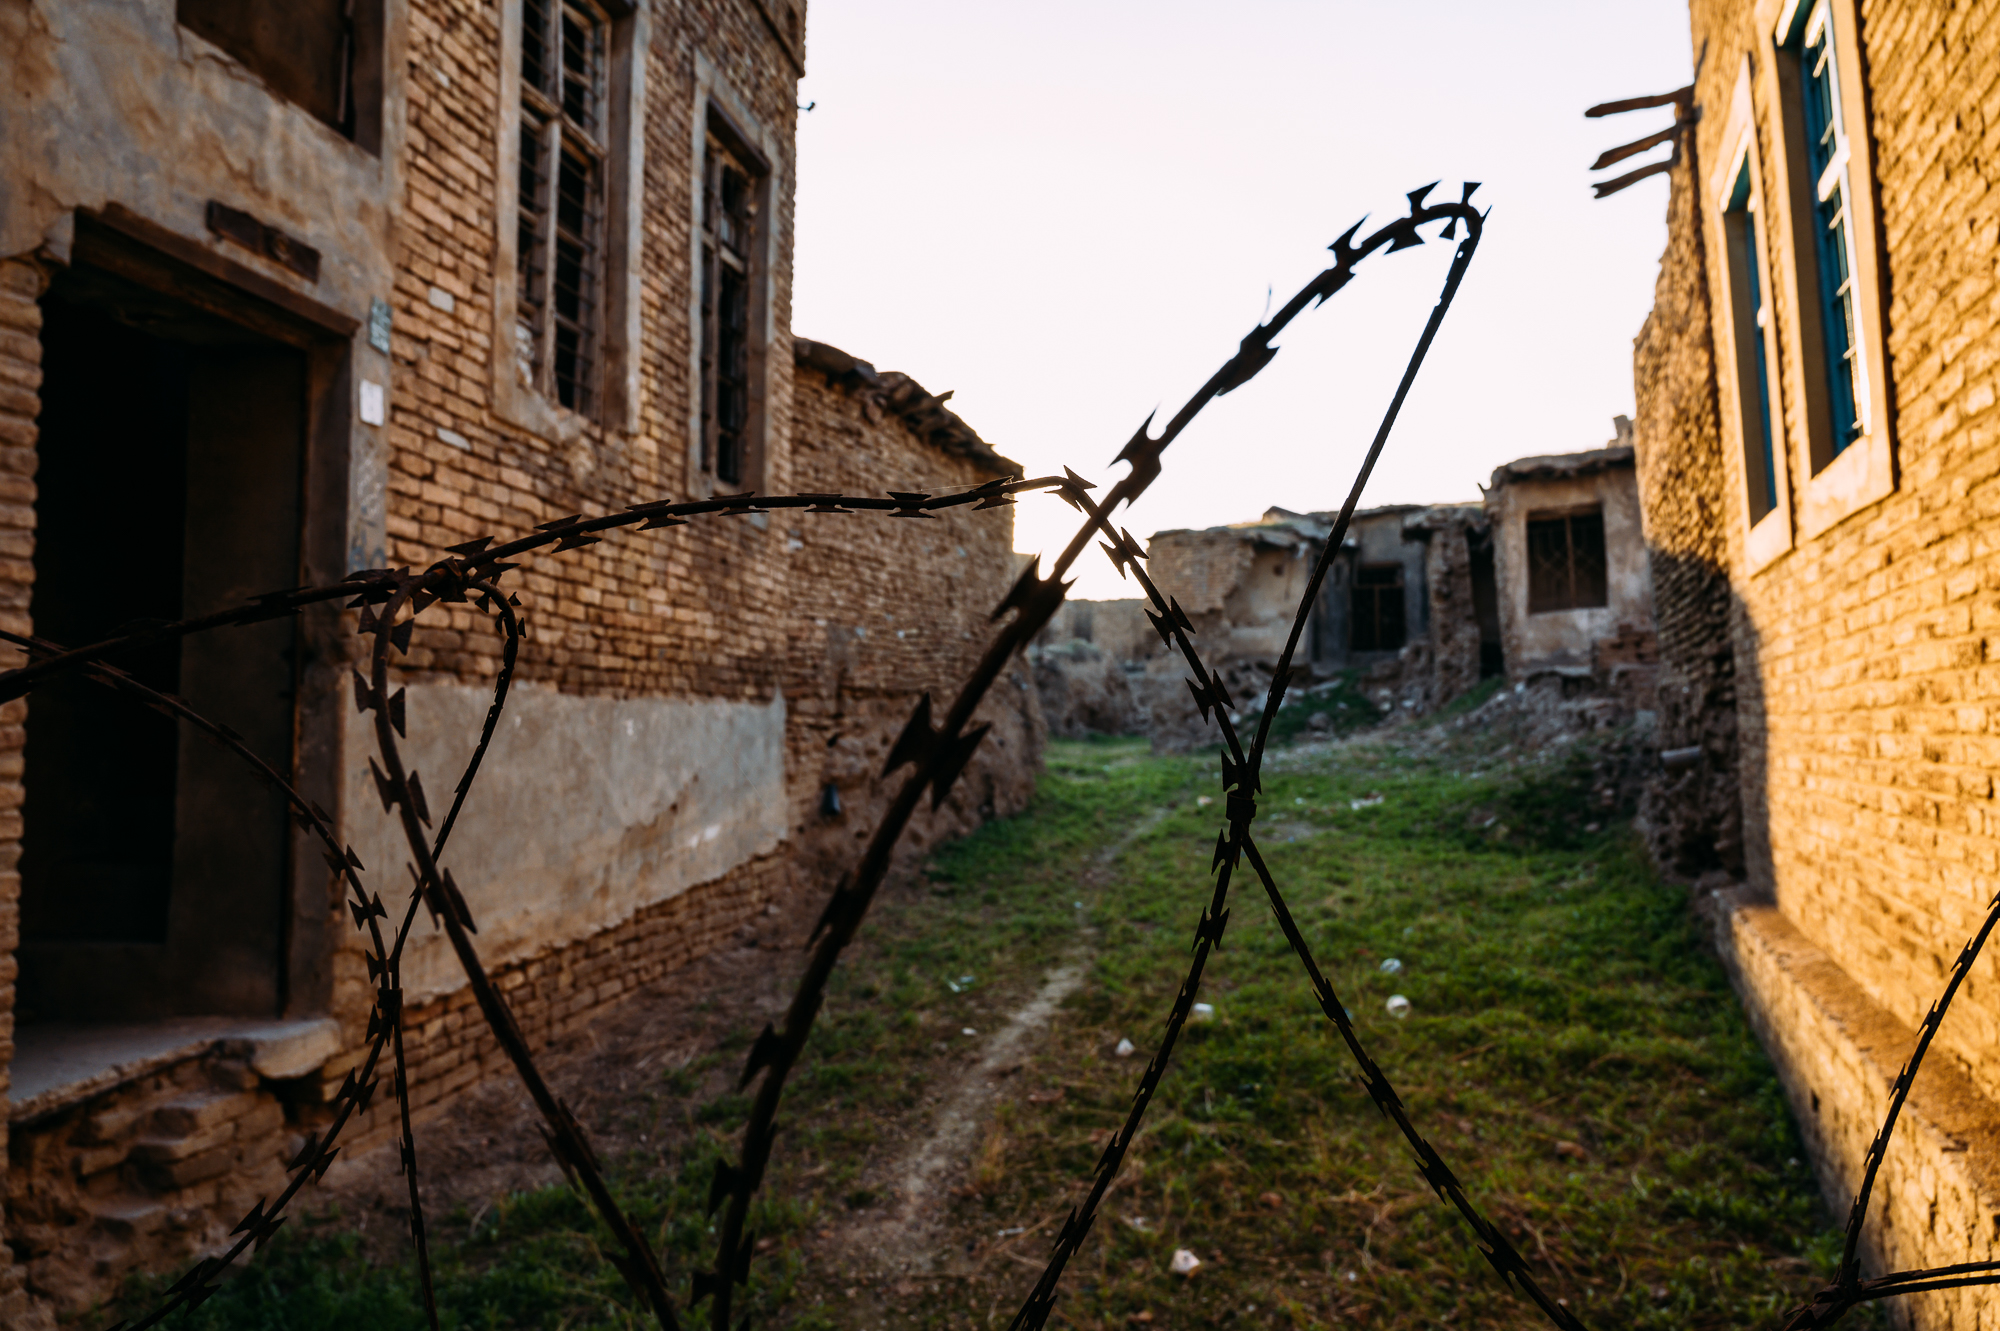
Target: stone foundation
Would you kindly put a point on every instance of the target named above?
(1837, 1052)
(154, 1171)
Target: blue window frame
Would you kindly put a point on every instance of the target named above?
(1826, 160)
(1751, 316)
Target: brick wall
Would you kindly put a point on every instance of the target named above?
(1692, 815)
(1859, 650)
(886, 609)
(20, 383)
(699, 611)
(1868, 704)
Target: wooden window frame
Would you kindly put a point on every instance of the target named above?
(722, 121)
(1568, 517)
(729, 277)
(531, 328)
(1357, 586)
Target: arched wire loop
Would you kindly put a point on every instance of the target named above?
(473, 578)
(390, 601)
(939, 753)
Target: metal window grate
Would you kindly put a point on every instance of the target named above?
(562, 190)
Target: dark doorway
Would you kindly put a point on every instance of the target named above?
(154, 863)
(1486, 602)
(1377, 620)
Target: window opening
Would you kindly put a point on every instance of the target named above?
(1566, 569)
(313, 53)
(728, 213)
(1833, 241)
(1377, 620)
(1750, 312)
(560, 235)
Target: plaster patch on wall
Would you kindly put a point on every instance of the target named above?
(585, 811)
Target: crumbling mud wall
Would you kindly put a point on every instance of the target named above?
(1692, 809)
(885, 611)
(1454, 630)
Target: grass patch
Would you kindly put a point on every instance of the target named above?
(1572, 1049)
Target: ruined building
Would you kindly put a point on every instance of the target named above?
(1409, 602)
(1575, 584)
(282, 302)
(1816, 446)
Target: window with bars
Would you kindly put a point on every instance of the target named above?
(1832, 231)
(728, 279)
(1566, 569)
(560, 242)
(1376, 621)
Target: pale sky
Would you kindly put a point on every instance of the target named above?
(1069, 213)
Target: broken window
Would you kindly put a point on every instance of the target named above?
(1566, 569)
(728, 272)
(1377, 623)
(559, 312)
(321, 55)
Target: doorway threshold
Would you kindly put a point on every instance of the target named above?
(58, 1064)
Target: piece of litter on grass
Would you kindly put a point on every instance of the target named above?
(1366, 803)
(968, 1031)
(1009, 1233)
(1399, 1006)
(1203, 801)
(1350, 1276)
(1125, 1049)
(1391, 966)
(1184, 1262)
(1204, 1012)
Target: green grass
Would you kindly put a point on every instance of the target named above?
(1573, 1051)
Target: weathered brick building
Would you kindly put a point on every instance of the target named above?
(277, 305)
(1817, 453)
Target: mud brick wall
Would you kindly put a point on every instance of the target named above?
(20, 402)
(1692, 817)
(887, 609)
(145, 1177)
(1454, 626)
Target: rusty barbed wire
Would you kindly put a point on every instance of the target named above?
(389, 602)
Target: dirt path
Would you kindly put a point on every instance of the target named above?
(905, 1239)
(909, 1238)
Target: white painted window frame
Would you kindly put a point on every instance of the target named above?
(1765, 539)
(1865, 471)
